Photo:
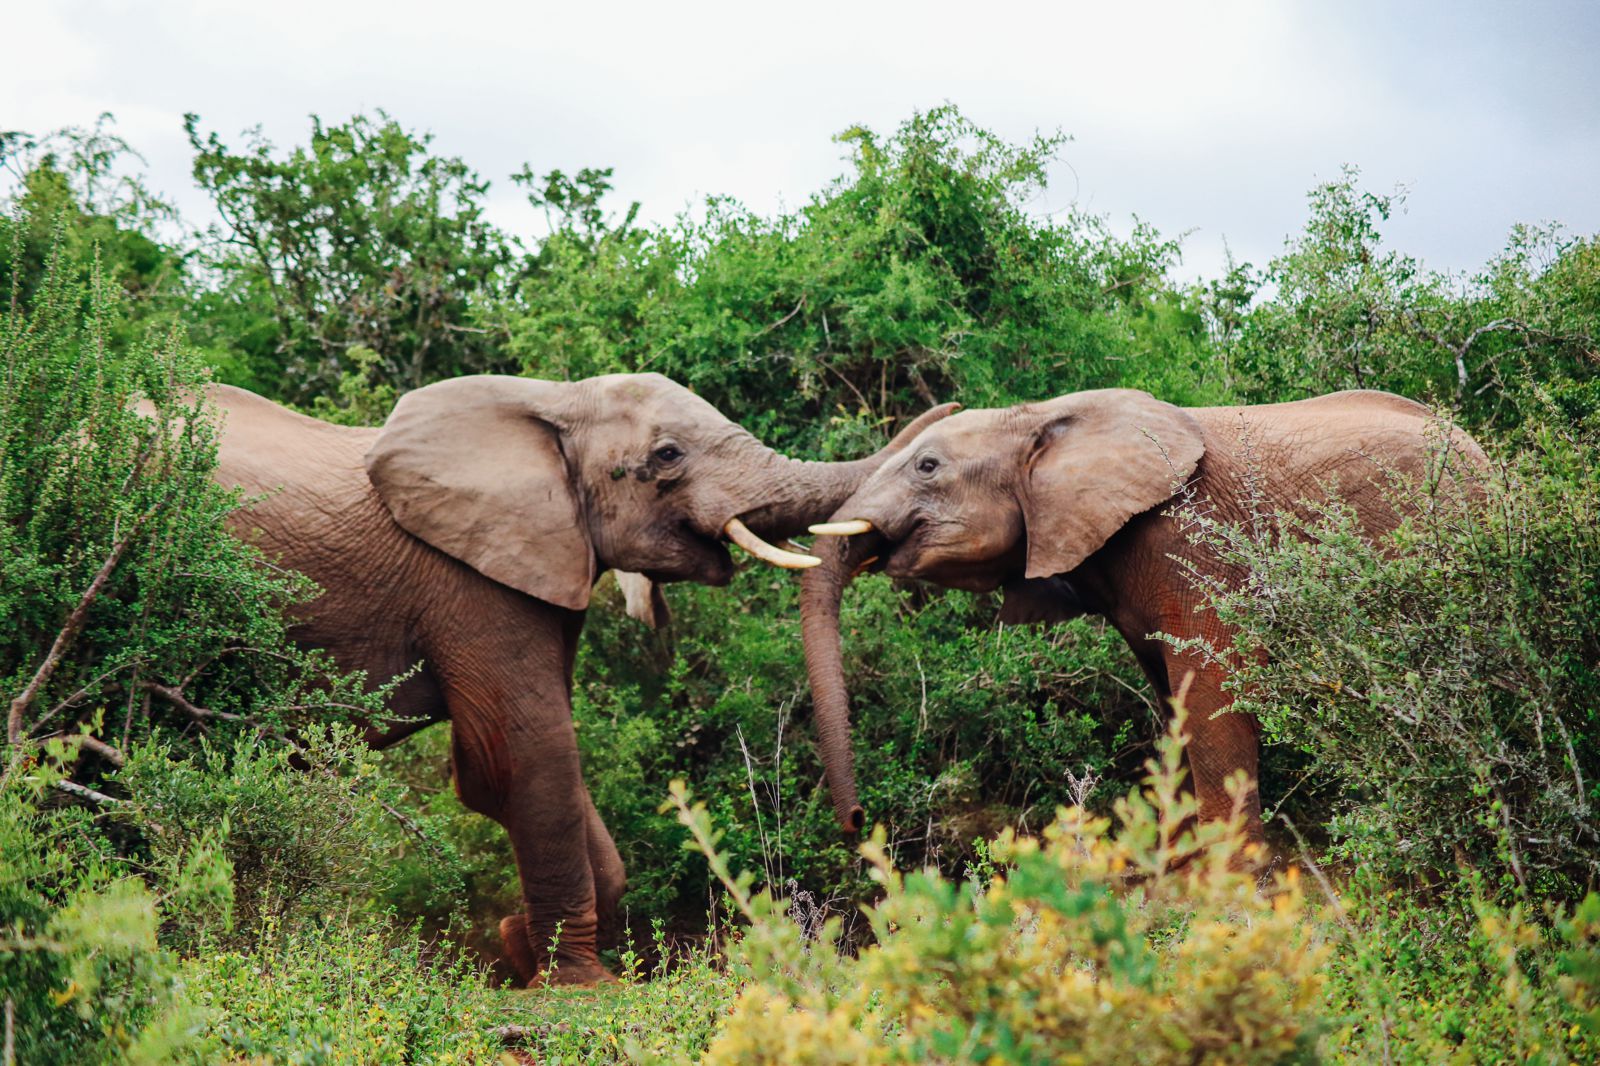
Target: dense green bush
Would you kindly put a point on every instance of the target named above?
(364, 237)
(1429, 703)
(963, 728)
(83, 978)
(128, 604)
(1415, 980)
(917, 277)
(1089, 946)
(1346, 312)
(1448, 678)
(341, 994)
(306, 828)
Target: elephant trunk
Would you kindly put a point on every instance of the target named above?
(821, 590)
(795, 492)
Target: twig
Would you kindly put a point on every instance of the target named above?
(785, 319)
(179, 700)
(68, 634)
(75, 789)
(98, 746)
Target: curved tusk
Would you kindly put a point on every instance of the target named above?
(740, 534)
(842, 529)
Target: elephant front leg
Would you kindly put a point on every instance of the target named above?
(1220, 744)
(536, 792)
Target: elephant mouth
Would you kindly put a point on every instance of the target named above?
(698, 557)
(945, 554)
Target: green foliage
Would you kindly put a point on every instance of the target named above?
(364, 237)
(666, 1013)
(919, 276)
(1348, 313)
(305, 828)
(128, 604)
(83, 978)
(342, 994)
(75, 196)
(1436, 695)
(1147, 944)
(1460, 979)
(1447, 678)
(961, 729)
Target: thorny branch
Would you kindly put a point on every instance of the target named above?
(69, 633)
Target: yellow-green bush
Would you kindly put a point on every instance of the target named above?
(1151, 943)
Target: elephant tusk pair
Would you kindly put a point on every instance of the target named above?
(842, 529)
(741, 535)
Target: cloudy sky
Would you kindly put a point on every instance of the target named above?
(1212, 118)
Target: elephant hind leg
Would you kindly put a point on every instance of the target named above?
(610, 879)
(531, 783)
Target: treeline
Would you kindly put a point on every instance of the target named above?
(1459, 741)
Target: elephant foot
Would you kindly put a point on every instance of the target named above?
(574, 962)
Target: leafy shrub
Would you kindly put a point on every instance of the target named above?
(965, 729)
(1447, 677)
(345, 992)
(668, 1012)
(919, 275)
(364, 237)
(306, 828)
(128, 603)
(1347, 312)
(1460, 979)
(83, 978)
(1141, 945)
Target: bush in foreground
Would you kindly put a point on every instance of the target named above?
(1144, 945)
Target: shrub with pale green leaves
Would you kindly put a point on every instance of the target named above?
(1144, 943)
(1447, 678)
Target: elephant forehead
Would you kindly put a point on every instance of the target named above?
(654, 399)
(965, 434)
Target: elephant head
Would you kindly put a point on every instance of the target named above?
(985, 498)
(543, 485)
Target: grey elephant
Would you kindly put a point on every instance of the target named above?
(1061, 504)
(467, 533)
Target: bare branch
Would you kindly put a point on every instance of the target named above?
(96, 745)
(176, 698)
(72, 788)
(69, 633)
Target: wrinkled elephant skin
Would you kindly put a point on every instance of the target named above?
(1065, 504)
(466, 535)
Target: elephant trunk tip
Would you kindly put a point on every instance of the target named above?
(854, 819)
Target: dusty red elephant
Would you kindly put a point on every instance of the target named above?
(467, 533)
(1061, 503)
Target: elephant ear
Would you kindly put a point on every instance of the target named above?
(474, 467)
(1098, 459)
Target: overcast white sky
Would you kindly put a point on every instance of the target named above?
(1212, 117)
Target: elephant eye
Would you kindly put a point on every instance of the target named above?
(669, 453)
(927, 464)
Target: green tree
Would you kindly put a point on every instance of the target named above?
(77, 189)
(919, 275)
(365, 237)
